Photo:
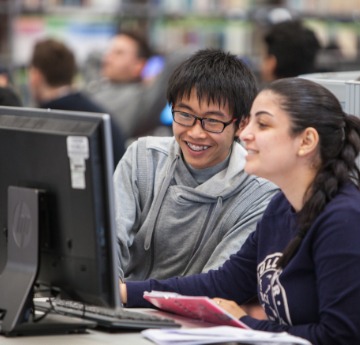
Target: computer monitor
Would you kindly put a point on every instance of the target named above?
(56, 214)
(344, 85)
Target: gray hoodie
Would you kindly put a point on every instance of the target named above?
(168, 224)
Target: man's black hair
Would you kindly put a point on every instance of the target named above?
(217, 77)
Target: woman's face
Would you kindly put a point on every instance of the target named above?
(272, 150)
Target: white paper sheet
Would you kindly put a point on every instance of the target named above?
(218, 334)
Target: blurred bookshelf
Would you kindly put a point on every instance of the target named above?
(174, 25)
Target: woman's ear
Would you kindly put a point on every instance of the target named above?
(309, 141)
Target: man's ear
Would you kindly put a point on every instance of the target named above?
(272, 61)
(243, 123)
(309, 141)
(36, 76)
(138, 67)
(269, 68)
(237, 134)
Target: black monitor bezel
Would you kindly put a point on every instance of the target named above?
(105, 127)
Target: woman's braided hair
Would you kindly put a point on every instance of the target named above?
(309, 104)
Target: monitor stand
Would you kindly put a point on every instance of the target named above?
(18, 277)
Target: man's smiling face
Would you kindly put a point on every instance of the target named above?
(202, 149)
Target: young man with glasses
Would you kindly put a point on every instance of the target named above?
(184, 203)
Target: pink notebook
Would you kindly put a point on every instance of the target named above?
(195, 307)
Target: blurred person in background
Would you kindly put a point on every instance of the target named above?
(4, 76)
(8, 97)
(51, 74)
(290, 50)
(120, 89)
(132, 85)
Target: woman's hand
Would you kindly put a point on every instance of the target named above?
(231, 307)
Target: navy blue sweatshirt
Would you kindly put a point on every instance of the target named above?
(316, 296)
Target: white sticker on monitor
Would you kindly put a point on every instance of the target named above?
(78, 152)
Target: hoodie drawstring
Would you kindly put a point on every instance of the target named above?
(157, 203)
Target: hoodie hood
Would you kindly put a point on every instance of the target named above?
(223, 184)
(213, 191)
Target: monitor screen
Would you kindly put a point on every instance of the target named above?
(56, 183)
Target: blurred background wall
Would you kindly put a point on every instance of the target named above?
(172, 26)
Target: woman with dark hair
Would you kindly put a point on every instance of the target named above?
(303, 260)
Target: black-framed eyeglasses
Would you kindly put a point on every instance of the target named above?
(210, 125)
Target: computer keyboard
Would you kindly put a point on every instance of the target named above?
(106, 318)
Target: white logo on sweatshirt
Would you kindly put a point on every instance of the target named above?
(272, 293)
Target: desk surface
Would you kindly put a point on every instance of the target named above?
(93, 337)
(89, 338)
